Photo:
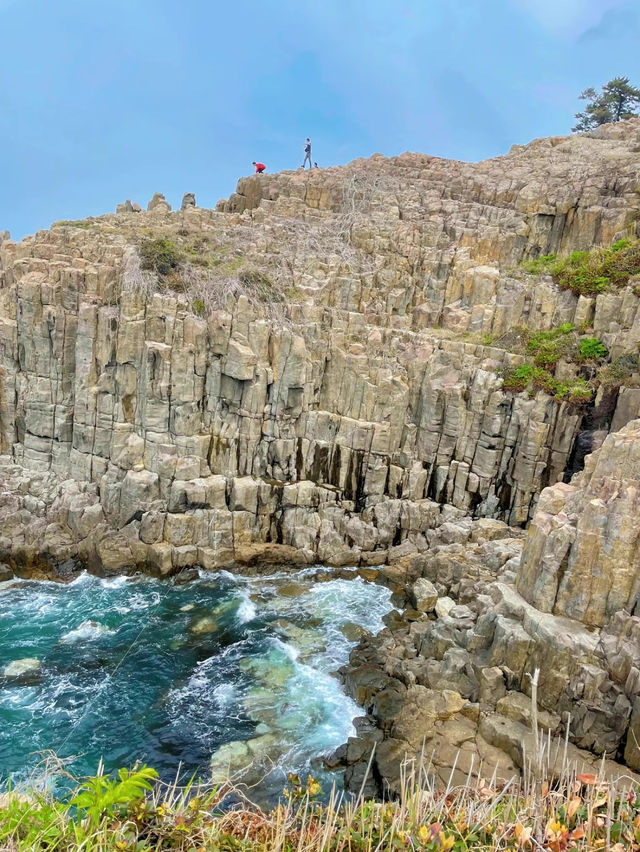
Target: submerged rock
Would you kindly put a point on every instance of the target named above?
(24, 671)
(354, 632)
(203, 625)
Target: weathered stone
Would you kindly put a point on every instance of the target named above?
(159, 204)
(424, 595)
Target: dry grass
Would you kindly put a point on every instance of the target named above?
(575, 812)
(270, 265)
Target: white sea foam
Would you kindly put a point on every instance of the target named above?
(87, 630)
(247, 610)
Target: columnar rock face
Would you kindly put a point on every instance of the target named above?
(309, 374)
(565, 600)
(340, 412)
(582, 556)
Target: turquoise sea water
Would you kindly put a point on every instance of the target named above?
(143, 669)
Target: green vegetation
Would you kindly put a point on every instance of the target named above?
(620, 371)
(591, 349)
(517, 379)
(539, 266)
(159, 255)
(134, 812)
(548, 347)
(259, 284)
(617, 101)
(198, 307)
(589, 273)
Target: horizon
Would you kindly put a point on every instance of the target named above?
(103, 105)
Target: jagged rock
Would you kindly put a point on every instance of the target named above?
(424, 595)
(517, 706)
(444, 606)
(159, 204)
(492, 687)
(127, 207)
(203, 625)
(188, 200)
(336, 395)
(589, 524)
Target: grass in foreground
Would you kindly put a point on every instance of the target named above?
(133, 810)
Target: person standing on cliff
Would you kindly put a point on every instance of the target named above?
(307, 153)
(260, 167)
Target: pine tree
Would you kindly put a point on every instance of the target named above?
(618, 100)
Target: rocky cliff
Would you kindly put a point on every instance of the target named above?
(317, 371)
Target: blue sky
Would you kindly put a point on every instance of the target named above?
(102, 100)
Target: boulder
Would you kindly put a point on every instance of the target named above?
(424, 595)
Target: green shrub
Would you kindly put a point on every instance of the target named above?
(619, 371)
(516, 379)
(591, 348)
(548, 347)
(198, 307)
(159, 255)
(621, 244)
(540, 265)
(543, 380)
(154, 817)
(591, 272)
(576, 392)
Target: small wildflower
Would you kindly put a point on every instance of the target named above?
(424, 835)
(446, 841)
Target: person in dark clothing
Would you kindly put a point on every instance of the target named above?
(260, 167)
(307, 153)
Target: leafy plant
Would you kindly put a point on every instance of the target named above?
(591, 348)
(574, 813)
(540, 265)
(516, 379)
(549, 346)
(102, 795)
(619, 371)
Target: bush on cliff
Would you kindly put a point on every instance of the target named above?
(159, 255)
(591, 349)
(589, 273)
(577, 391)
(624, 370)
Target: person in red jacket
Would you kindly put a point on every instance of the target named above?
(260, 167)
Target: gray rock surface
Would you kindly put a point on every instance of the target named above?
(310, 375)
